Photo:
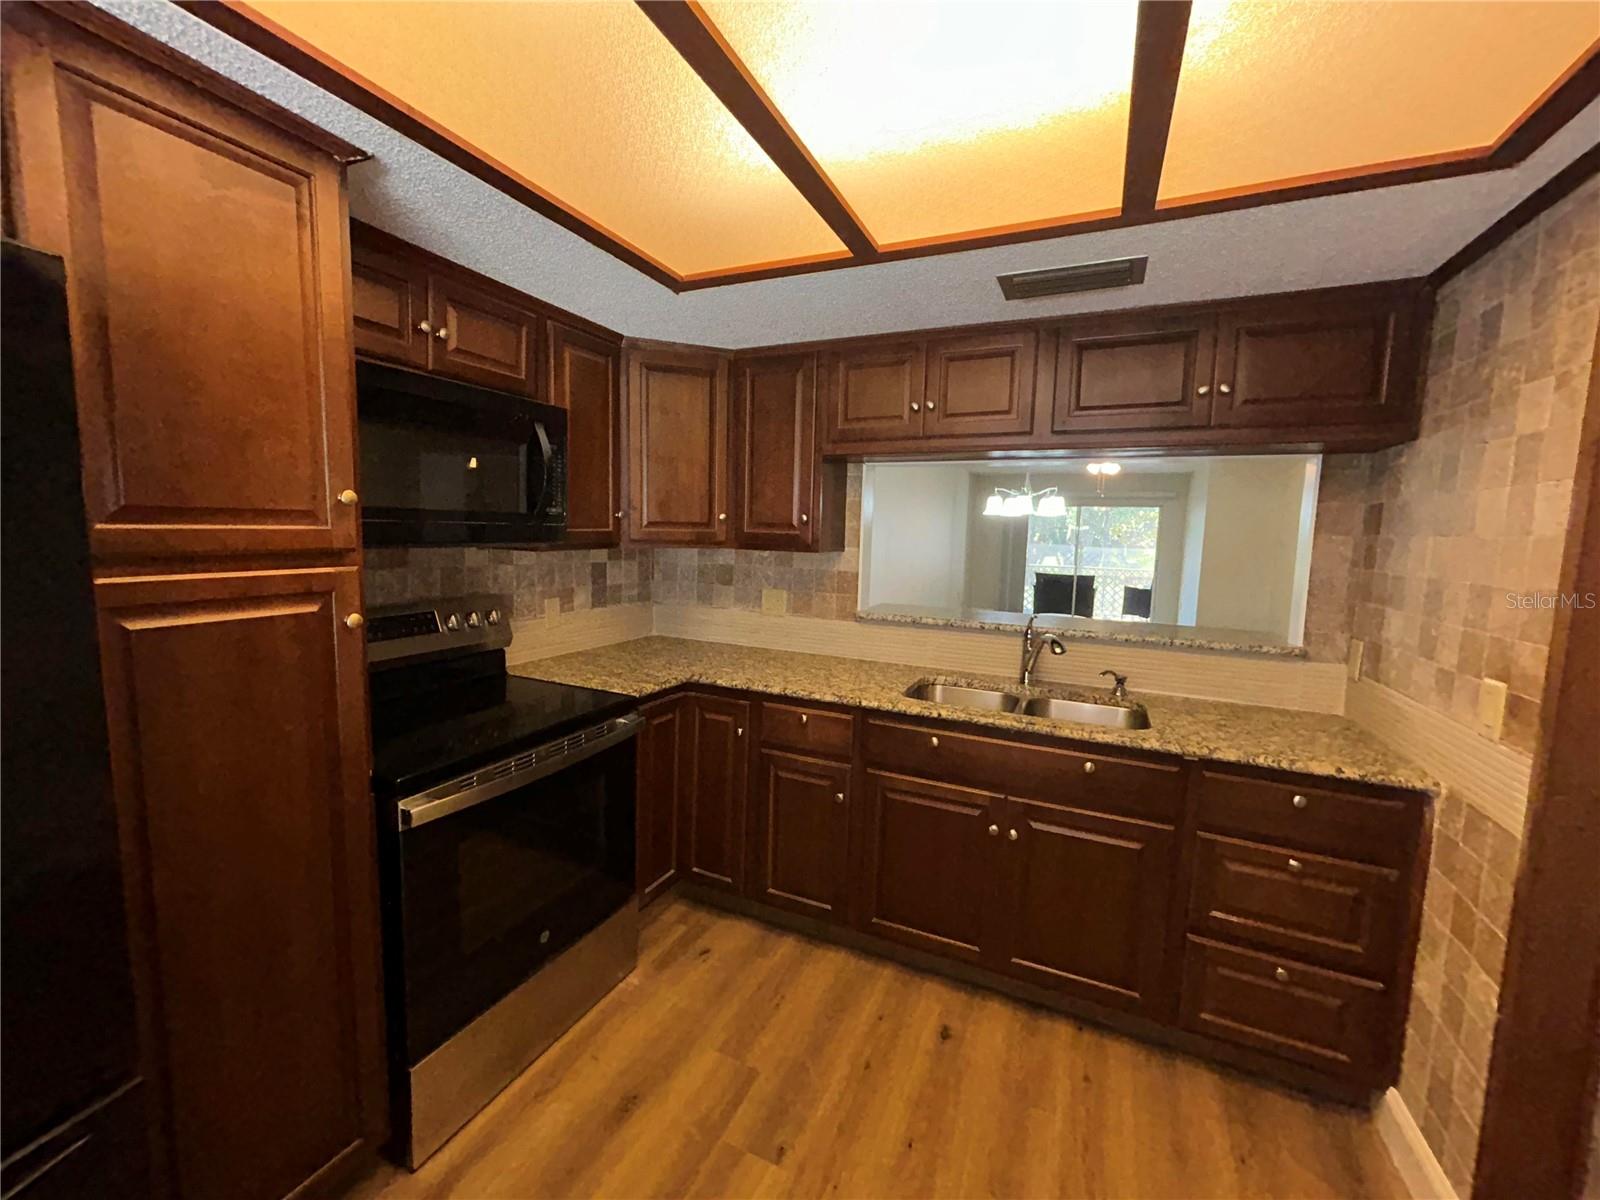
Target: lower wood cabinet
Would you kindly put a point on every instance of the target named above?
(711, 824)
(800, 831)
(237, 720)
(1085, 903)
(929, 865)
(1267, 919)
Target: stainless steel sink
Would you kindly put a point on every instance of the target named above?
(1086, 713)
(956, 696)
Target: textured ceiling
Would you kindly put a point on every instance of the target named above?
(1351, 238)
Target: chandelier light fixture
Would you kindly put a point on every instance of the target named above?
(1025, 502)
(1101, 472)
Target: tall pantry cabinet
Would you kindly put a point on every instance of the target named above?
(205, 238)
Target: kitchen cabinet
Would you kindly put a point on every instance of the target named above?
(238, 747)
(929, 871)
(207, 289)
(480, 337)
(1313, 361)
(1134, 371)
(875, 392)
(1085, 902)
(661, 782)
(389, 305)
(585, 379)
(980, 384)
(678, 437)
(800, 828)
(786, 496)
(711, 823)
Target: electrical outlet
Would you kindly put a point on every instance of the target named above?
(1492, 706)
(774, 600)
(552, 608)
(1353, 657)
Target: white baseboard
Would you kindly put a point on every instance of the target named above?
(1418, 1168)
(1490, 776)
(1241, 678)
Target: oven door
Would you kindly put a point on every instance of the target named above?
(493, 888)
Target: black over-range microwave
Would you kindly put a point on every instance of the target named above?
(449, 464)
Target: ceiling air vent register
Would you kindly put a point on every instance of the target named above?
(1081, 277)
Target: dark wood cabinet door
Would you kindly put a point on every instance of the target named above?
(1317, 362)
(481, 338)
(1085, 904)
(1134, 372)
(875, 392)
(239, 759)
(711, 827)
(981, 384)
(389, 306)
(584, 379)
(929, 865)
(211, 332)
(661, 781)
(800, 832)
(775, 452)
(678, 439)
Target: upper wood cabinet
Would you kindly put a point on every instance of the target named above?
(678, 438)
(242, 797)
(1138, 371)
(875, 392)
(585, 379)
(389, 299)
(785, 496)
(980, 384)
(1311, 361)
(211, 326)
(480, 337)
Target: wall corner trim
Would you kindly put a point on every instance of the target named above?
(1418, 1168)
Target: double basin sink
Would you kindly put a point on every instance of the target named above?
(1054, 708)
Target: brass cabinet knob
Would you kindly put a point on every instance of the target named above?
(804, 717)
(441, 333)
(722, 516)
(838, 797)
(934, 739)
(348, 498)
(1225, 388)
(424, 327)
(1088, 767)
(355, 621)
(1203, 390)
(915, 407)
(804, 520)
(1296, 865)
(994, 831)
(738, 731)
(1012, 834)
(1299, 802)
(618, 514)
(1281, 975)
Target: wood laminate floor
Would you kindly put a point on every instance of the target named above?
(744, 1061)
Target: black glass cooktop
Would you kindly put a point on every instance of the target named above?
(433, 722)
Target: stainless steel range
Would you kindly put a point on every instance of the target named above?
(506, 815)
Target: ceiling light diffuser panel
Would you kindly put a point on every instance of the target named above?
(941, 120)
(589, 105)
(1284, 91)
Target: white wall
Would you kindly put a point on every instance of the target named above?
(922, 560)
(1251, 549)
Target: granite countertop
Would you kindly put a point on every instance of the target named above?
(1286, 739)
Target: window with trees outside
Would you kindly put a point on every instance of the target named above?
(1097, 560)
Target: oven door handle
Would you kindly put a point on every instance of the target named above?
(466, 792)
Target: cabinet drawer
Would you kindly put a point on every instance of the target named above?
(1079, 778)
(1337, 1023)
(1370, 827)
(1327, 910)
(810, 730)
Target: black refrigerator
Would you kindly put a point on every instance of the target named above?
(71, 1096)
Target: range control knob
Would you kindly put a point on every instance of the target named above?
(494, 616)
(453, 623)
(473, 620)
